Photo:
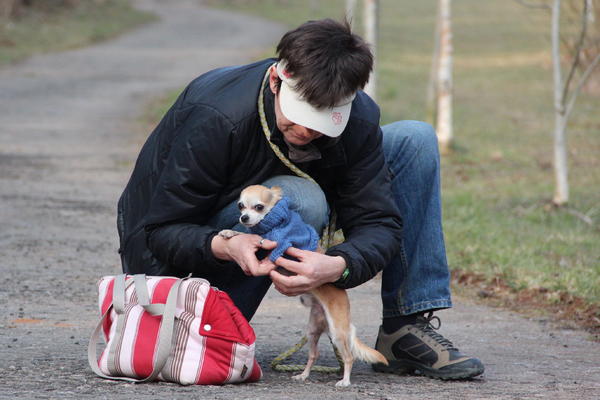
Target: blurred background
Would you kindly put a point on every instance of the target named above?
(483, 72)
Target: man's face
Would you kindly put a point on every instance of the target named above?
(295, 134)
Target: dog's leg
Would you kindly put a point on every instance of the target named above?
(342, 342)
(316, 326)
(337, 310)
(313, 354)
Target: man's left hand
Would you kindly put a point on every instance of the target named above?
(312, 270)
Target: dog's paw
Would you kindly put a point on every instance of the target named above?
(300, 377)
(228, 233)
(343, 383)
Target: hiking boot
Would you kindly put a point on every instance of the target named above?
(418, 349)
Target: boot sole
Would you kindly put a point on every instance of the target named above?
(409, 367)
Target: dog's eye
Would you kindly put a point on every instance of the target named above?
(241, 205)
(259, 207)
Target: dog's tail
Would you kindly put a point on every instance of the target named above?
(364, 352)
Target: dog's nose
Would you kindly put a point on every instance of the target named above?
(244, 218)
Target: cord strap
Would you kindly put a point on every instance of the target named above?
(329, 231)
(325, 242)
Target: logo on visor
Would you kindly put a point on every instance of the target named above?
(286, 73)
(336, 117)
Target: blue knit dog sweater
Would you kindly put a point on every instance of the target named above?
(286, 227)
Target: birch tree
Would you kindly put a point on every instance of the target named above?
(8, 8)
(371, 35)
(565, 91)
(350, 7)
(590, 11)
(444, 79)
(564, 98)
(432, 86)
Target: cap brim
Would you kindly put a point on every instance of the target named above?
(328, 121)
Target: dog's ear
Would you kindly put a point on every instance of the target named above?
(277, 193)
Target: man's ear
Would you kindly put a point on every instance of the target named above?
(273, 79)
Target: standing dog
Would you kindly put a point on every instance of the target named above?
(265, 212)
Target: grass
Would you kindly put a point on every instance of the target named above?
(498, 183)
(45, 29)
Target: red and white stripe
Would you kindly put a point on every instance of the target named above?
(201, 354)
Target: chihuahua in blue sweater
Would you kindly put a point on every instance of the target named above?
(266, 212)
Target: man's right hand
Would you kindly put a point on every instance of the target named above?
(242, 250)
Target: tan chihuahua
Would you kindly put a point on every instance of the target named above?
(329, 305)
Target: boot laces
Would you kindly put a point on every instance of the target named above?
(425, 323)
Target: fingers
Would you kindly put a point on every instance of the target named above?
(290, 265)
(294, 266)
(242, 249)
(267, 244)
(295, 252)
(311, 270)
(258, 268)
(258, 242)
(289, 285)
(249, 265)
(265, 266)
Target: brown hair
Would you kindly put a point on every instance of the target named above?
(327, 60)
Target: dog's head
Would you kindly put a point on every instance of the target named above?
(255, 202)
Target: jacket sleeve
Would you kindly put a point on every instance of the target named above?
(367, 213)
(195, 171)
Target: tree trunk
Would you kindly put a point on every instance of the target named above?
(561, 190)
(314, 8)
(350, 7)
(371, 33)
(8, 8)
(590, 13)
(431, 100)
(444, 103)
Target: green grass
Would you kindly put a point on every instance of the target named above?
(498, 183)
(59, 28)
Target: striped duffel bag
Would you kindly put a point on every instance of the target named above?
(171, 329)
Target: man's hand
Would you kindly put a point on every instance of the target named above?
(241, 249)
(313, 270)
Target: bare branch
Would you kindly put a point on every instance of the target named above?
(593, 210)
(565, 43)
(529, 4)
(580, 215)
(578, 49)
(582, 80)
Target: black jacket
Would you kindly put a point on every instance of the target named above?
(210, 145)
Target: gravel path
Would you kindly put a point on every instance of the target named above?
(66, 151)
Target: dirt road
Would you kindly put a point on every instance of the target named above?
(66, 150)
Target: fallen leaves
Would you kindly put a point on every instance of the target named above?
(35, 321)
(561, 306)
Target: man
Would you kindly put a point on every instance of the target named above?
(212, 143)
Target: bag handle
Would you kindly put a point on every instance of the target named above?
(165, 333)
(141, 288)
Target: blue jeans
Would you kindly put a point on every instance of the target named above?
(417, 279)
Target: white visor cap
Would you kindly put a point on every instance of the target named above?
(328, 121)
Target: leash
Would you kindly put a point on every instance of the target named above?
(325, 242)
(277, 365)
(329, 231)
